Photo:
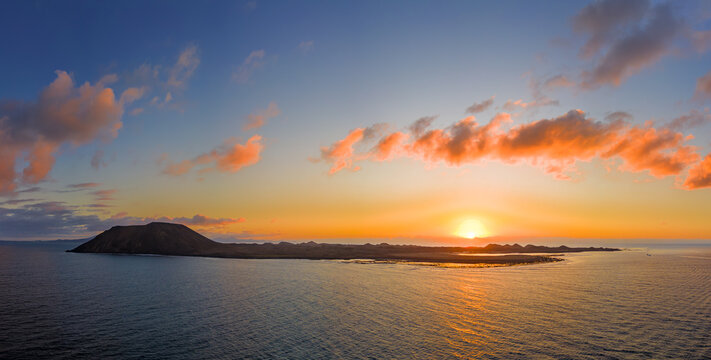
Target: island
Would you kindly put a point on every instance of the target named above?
(159, 238)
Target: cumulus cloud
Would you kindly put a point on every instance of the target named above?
(231, 156)
(699, 175)
(480, 107)
(254, 61)
(259, 117)
(555, 145)
(62, 114)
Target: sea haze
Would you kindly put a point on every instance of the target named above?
(615, 305)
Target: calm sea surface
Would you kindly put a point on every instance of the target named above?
(594, 305)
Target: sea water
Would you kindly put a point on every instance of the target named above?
(593, 305)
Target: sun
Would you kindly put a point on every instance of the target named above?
(471, 228)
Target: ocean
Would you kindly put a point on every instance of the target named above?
(622, 305)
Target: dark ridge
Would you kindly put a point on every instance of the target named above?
(176, 239)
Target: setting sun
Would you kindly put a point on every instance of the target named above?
(471, 229)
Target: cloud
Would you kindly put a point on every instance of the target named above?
(692, 119)
(51, 220)
(558, 81)
(104, 195)
(340, 154)
(258, 118)
(131, 94)
(618, 116)
(254, 61)
(82, 186)
(419, 126)
(97, 160)
(14, 202)
(555, 145)
(701, 40)
(187, 63)
(306, 46)
(703, 87)
(601, 20)
(62, 114)
(511, 105)
(197, 220)
(388, 146)
(638, 48)
(699, 175)
(160, 83)
(480, 107)
(228, 157)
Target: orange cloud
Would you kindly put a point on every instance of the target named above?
(341, 152)
(699, 175)
(555, 145)
(661, 151)
(229, 157)
(385, 149)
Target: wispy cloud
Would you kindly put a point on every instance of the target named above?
(254, 61)
(703, 88)
(82, 186)
(259, 117)
(306, 46)
(480, 107)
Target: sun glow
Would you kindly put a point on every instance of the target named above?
(471, 229)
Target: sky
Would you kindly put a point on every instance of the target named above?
(447, 122)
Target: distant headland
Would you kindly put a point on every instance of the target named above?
(175, 239)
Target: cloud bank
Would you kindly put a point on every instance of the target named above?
(37, 220)
(555, 145)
